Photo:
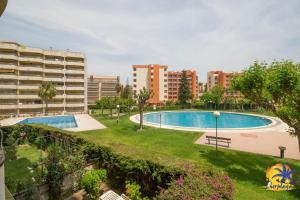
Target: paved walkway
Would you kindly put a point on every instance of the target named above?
(262, 141)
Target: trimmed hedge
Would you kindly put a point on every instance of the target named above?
(149, 175)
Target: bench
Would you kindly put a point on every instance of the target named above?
(220, 140)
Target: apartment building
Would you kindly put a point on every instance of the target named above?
(153, 77)
(23, 69)
(201, 89)
(219, 78)
(101, 86)
(174, 82)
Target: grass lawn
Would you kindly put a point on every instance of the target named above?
(16, 170)
(173, 147)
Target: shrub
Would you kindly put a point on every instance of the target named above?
(92, 180)
(199, 184)
(133, 191)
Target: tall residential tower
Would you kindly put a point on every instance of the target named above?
(153, 77)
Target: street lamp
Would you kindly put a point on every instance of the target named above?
(118, 110)
(216, 115)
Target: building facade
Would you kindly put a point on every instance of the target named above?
(219, 78)
(174, 82)
(153, 77)
(23, 69)
(101, 86)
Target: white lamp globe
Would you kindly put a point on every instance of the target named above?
(216, 114)
(118, 106)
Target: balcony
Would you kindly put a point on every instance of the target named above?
(10, 106)
(75, 105)
(8, 96)
(55, 105)
(75, 88)
(9, 46)
(80, 96)
(28, 96)
(58, 71)
(7, 76)
(31, 59)
(30, 105)
(8, 56)
(28, 87)
(77, 80)
(31, 78)
(75, 63)
(31, 69)
(5, 86)
(54, 79)
(70, 71)
(8, 66)
(54, 62)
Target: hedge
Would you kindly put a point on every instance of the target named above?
(149, 175)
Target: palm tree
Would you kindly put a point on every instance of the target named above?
(285, 173)
(47, 91)
(143, 96)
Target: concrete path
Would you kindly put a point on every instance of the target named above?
(263, 141)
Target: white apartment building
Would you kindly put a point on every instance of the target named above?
(153, 77)
(23, 69)
(101, 86)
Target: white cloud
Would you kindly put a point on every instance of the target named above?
(202, 35)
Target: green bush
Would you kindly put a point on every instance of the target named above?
(133, 191)
(92, 180)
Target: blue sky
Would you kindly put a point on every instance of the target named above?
(191, 34)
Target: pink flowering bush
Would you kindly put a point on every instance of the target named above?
(199, 184)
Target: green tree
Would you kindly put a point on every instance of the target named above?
(100, 104)
(143, 96)
(275, 87)
(217, 94)
(109, 103)
(127, 92)
(184, 91)
(47, 91)
(56, 171)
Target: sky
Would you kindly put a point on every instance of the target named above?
(183, 34)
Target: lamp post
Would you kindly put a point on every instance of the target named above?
(216, 115)
(118, 110)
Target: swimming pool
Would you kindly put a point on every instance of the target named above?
(194, 119)
(62, 121)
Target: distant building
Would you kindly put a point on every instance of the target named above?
(219, 78)
(153, 77)
(174, 82)
(222, 79)
(22, 71)
(101, 86)
(201, 88)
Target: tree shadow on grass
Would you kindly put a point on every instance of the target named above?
(247, 167)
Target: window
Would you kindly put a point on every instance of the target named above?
(134, 69)
(134, 80)
(134, 74)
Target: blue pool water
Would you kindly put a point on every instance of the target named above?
(64, 121)
(206, 120)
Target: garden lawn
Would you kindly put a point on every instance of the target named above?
(171, 147)
(17, 170)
